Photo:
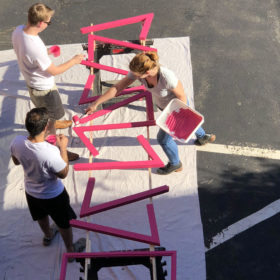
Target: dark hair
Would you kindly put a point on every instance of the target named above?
(36, 120)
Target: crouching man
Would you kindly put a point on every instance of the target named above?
(44, 164)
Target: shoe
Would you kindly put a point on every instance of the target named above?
(79, 246)
(48, 240)
(207, 138)
(72, 156)
(62, 124)
(168, 168)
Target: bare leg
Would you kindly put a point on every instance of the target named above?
(67, 236)
(45, 226)
(50, 128)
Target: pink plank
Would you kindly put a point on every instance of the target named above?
(113, 24)
(117, 165)
(153, 222)
(88, 195)
(114, 232)
(90, 47)
(120, 254)
(123, 43)
(86, 141)
(104, 67)
(86, 90)
(146, 27)
(109, 109)
(86, 210)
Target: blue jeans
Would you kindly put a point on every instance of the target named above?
(170, 147)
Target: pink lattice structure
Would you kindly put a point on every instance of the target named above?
(86, 210)
(149, 239)
(133, 254)
(145, 94)
(146, 23)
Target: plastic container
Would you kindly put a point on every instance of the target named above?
(55, 50)
(179, 120)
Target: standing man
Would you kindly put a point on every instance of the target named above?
(43, 165)
(38, 69)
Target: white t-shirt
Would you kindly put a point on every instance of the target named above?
(40, 162)
(33, 59)
(161, 93)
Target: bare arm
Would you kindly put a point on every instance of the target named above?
(56, 70)
(109, 94)
(62, 142)
(180, 93)
(15, 160)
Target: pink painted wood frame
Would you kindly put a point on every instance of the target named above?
(85, 99)
(104, 67)
(149, 239)
(131, 254)
(90, 48)
(149, 107)
(86, 210)
(146, 19)
(122, 43)
(154, 160)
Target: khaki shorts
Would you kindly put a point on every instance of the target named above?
(50, 99)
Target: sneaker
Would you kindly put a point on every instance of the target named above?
(62, 124)
(72, 156)
(207, 138)
(79, 246)
(168, 168)
(48, 240)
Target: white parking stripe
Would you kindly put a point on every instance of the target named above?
(241, 151)
(246, 223)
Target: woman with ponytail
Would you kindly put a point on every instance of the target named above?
(164, 86)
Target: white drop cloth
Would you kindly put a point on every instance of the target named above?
(22, 255)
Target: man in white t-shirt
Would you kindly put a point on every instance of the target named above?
(37, 68)
(44, 164)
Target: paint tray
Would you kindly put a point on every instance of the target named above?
(179, 120)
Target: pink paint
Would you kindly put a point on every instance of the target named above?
(51, 139)
(55, 50)
(154, 161)
(122, 43)
(76, 119)
(119, 254)
(86, 210)
(153, 239)
(183, 123)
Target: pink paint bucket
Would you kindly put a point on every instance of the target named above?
(55, 50)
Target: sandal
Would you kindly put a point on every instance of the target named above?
(48, 240)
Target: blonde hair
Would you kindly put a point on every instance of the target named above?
(39, 12)
(143, 62)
